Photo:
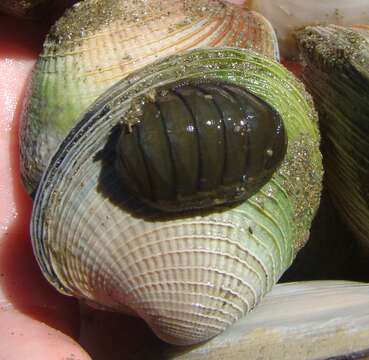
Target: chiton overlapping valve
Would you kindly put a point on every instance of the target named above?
(194, 144)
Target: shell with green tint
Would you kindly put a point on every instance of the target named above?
(337, 73)
(98, 42)
(189, 275)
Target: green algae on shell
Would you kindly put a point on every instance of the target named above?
(188, 275)
(337, 74)
(97, 42)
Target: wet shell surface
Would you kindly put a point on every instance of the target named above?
(195, 144)
(188, 275)
(98, 42)
(337, 73)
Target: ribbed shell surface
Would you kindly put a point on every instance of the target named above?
(198, 144)
(301, 320)
(98, 42)
(189, 276)
(337, 74)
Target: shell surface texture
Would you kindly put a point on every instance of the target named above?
(192, 274)
(195, 144)
(337, 73)
(303, 320)
(97, 42)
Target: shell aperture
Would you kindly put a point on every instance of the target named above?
(194, 144)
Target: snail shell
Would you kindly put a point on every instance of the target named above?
(337, 73)
(189, 276)
(98, 42)
(195, 144)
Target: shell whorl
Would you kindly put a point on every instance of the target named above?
(194, 144)
(192, 276)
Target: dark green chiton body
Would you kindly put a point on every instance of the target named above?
(196, 144)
